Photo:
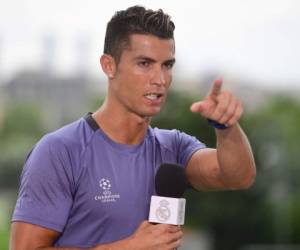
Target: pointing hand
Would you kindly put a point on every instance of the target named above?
(220, 106)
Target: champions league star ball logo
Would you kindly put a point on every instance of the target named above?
(163, 212)
(106, 195)
(105, 184)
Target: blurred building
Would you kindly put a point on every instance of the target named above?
(83, 54)
(49, 45)
(59, 99)
(246, 90)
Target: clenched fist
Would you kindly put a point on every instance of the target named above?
(156, 237)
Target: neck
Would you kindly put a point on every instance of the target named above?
(121, 127)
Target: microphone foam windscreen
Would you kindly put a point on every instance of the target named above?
(171, 181)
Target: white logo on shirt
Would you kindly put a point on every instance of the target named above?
(106, 195)
(104, 184)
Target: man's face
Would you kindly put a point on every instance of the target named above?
(144, 74)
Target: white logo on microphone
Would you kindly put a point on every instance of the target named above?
(163, 212)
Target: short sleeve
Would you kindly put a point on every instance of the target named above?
(177, 147)
(187, 145)
(46, 186)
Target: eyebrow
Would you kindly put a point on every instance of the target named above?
(170, 61)
(149, 59)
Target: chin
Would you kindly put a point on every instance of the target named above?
(150, 113)
(154, 112)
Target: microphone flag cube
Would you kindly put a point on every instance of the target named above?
(166, 210)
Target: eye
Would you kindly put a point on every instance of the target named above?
(169, 65)
(144, 63)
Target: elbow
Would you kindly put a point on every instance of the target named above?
(245, 181)
(241, 185)
(248, 183)
(251, 176)
(248, 180)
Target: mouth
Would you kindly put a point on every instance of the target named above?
(153, 96)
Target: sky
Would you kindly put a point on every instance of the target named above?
(257, 40)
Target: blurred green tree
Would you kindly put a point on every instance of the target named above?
(275, 138)
(20, 129)
(22, 126)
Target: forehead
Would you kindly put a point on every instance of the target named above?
(150, 46)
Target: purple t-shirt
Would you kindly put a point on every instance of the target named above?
(91, 189)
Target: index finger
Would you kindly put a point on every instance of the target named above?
(174, 228)
(216, 88)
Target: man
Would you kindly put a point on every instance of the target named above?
(88, 185)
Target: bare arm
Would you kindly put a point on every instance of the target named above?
(26, 236)
(231, 165)
(235, 157)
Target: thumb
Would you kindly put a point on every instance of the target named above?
(198, 107)
(145, 224)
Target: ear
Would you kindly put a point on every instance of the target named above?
(108, 65)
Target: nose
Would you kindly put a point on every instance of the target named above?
(158, 77)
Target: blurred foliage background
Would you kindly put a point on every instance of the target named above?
(266, 214)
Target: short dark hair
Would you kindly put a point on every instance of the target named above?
(135, 20)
